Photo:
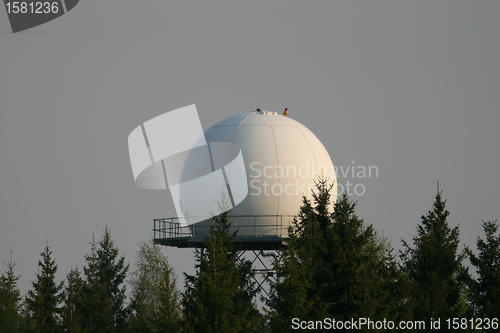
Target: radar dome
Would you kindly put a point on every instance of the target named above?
(283, 159)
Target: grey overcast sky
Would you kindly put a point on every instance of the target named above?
(411, 87)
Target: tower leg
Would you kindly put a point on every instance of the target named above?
(263, 268)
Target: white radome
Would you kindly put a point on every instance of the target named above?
(283, 159)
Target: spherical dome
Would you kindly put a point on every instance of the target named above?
(283, 159)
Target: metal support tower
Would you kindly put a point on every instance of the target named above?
(263, 268)
(261, 250)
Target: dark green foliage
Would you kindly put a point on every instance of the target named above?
(155, 301)
(355, 264)
(103, 292)
(219, 297)
(169, 316)
(434, 267)
(396, 287)
(42, 302)
(71, 312)
(295, 296)
(333, 267)
(10, 301)
(485, 290)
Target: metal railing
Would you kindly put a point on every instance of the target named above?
(249, 226)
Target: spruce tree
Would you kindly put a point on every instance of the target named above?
(10, 300)
(71, 312)
(395, 303)
(334, 266)
(219, 297)
(294, 296)
(155, 300)
(485, 290)
(169, 315)
(43, 300)
(355, 262)
(104, 288)
(434, 267)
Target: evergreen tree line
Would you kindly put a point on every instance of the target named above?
(334, 266)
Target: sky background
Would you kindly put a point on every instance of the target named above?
(411, 87)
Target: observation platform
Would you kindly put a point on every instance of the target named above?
(254, 232)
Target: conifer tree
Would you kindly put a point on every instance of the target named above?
(10, 300)
(396, 304)
(104, 288)
(71, 312)
(155, 301)
(43, 300)
(219, 297)
(485, 290)
(333, 266)
(355, 261)
(293, 296)
(434, 267)
(169, 316)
